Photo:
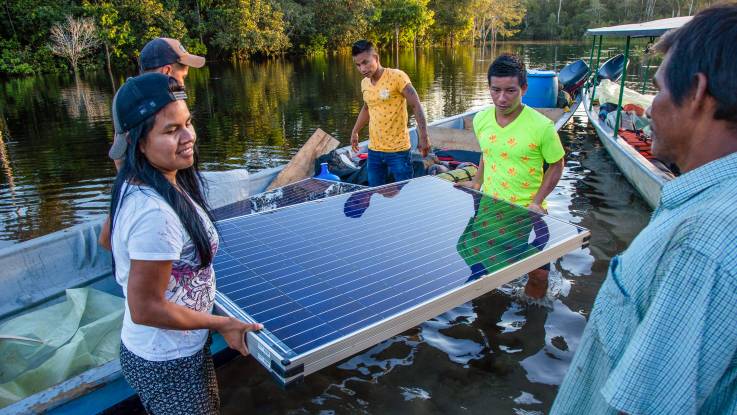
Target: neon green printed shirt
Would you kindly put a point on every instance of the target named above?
(514, 155)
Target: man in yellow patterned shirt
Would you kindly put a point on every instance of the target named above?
(516, 141)
(385, 93)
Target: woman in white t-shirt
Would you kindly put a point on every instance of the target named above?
(163, 242)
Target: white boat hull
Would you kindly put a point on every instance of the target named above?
(646, 178)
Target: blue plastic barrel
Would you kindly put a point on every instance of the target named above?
(542, 89)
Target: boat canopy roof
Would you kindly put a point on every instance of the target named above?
(645, 29)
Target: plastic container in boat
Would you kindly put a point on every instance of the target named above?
(542, 89)
(325, 174)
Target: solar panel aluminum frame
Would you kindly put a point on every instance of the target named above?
(290, 370)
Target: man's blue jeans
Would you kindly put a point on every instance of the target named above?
(380, 163)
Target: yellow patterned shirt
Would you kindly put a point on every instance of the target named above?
(514, 155)
(387, 111)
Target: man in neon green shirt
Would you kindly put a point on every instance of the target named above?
(516, 141)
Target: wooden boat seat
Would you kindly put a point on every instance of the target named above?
(454, 138)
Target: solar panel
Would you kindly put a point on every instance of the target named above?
(331, 277)
(299, 192)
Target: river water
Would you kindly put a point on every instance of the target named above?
(494, 354)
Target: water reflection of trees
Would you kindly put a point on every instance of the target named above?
(82, 101)
(240, 110)
(5, 159)
(56, 155)
(276, 104)
(253, 114)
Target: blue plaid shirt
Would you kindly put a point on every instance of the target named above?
(662, 336)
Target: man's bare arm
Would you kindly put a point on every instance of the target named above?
(361, 121)
(104, 238)
(550, 180)
(410, 94)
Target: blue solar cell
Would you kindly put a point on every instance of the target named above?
(317, 272)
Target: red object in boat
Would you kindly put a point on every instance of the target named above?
(634, 108)
(638, 142)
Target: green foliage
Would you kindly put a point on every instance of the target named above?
(195, 46)
(543, 21)
(342, 22)
(453, 20)
(19, 60)
(113, 30)
(497, 18)
(29, 21)
(149, 19)
(316, 25)
(24, 34)
(243, 28)
(402, 21)
(13, 60)
(248, 27)
(305, 37)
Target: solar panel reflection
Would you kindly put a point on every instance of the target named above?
(292, 194)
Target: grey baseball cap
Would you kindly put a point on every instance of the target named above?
(120, 141)
(165, 51)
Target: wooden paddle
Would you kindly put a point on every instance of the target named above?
(302, 164)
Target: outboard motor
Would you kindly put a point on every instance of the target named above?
(573, 76)
(612, 69)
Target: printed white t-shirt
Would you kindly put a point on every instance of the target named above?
(147, 228)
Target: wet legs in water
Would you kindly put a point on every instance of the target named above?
(537, 283)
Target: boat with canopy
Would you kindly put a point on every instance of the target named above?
(618, 113)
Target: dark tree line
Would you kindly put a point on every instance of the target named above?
(241, 29)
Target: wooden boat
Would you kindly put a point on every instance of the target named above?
(37, 273)
(646, 174)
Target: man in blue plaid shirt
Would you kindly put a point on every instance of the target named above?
(662, 335)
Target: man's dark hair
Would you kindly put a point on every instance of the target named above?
(707, 44)
(361, 46)
(508, 64)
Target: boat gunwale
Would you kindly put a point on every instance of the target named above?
(605, 133)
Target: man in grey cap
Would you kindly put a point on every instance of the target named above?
(163, 55)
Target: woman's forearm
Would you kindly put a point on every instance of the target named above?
(147, 282)
(164, 314)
